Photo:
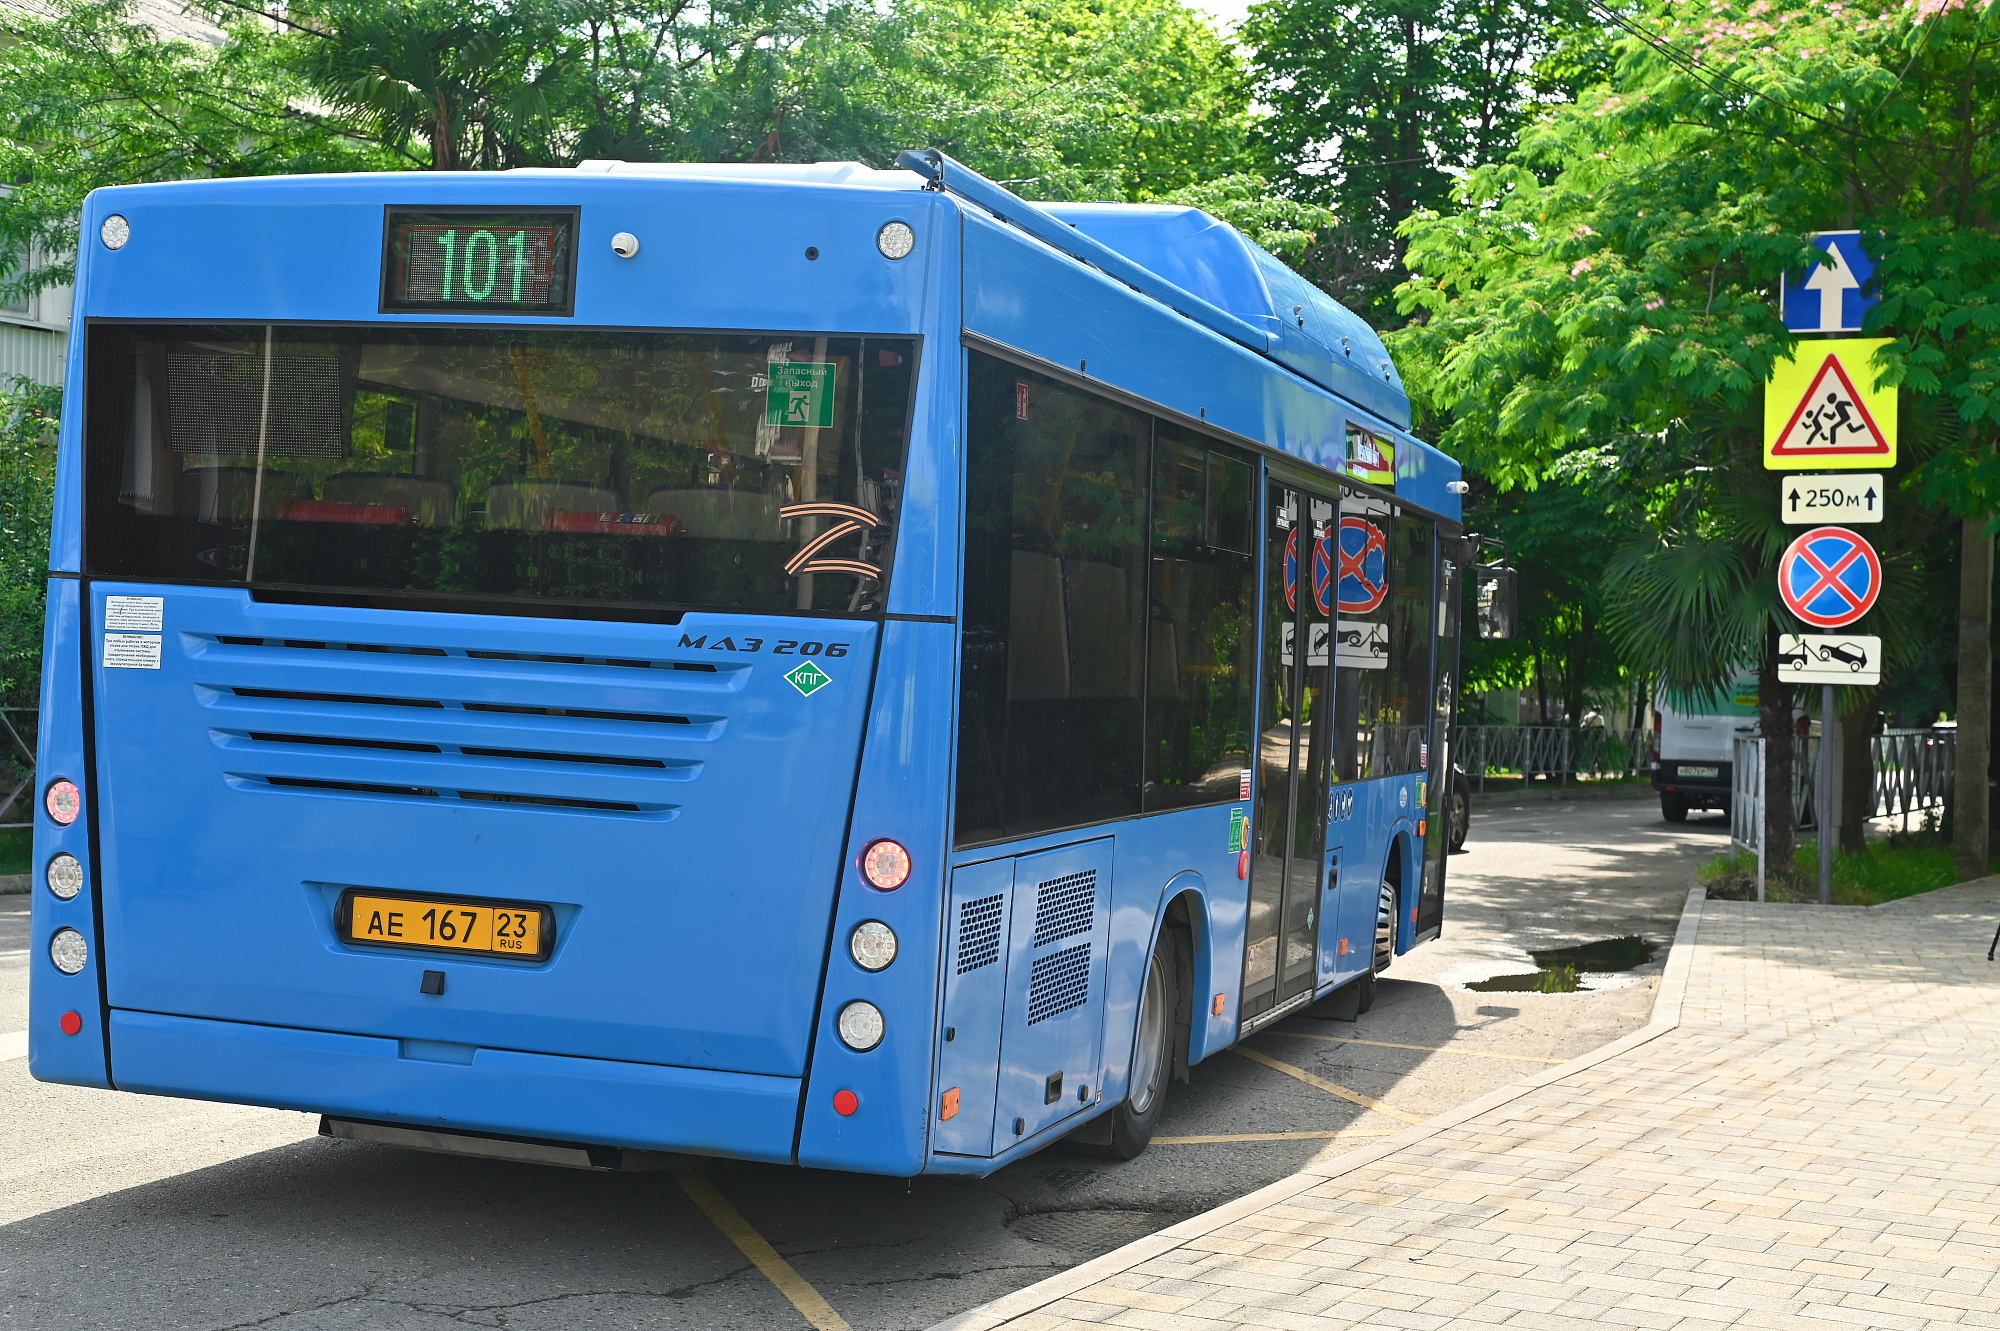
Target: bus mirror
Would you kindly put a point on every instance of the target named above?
(1498, 612)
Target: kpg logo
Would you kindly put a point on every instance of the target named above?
(1364, 566)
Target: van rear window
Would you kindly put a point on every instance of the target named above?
(743, 471)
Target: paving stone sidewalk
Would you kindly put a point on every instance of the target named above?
(1806, 1136)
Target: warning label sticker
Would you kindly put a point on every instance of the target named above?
(132, 651)
(1821, 409)
(135, 614)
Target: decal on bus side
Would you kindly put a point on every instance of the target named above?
(785, 646)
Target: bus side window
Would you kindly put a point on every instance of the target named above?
(1054, 615)
(1200, 638)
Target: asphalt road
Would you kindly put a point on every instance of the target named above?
(127, 1211)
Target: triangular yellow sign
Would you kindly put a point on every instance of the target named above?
(1822, 411)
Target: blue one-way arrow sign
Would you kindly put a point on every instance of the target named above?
(1827, 298)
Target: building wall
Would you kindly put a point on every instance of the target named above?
(31, 351)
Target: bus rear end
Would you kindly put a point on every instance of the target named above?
(467, 595)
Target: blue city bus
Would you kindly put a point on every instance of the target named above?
(806, 664)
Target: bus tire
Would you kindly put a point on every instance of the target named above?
(1673, 808)
(1384, 950)
(1133, 1120)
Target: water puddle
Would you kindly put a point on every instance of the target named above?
(1560, 966)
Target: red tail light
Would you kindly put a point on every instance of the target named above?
(64, 802)
(885, 864)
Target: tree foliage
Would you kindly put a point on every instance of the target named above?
(1378, 105)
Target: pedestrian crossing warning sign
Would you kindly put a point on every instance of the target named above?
(1822, 410)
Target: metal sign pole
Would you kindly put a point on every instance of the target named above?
(1827, 722)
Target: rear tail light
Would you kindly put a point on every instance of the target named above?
(68, 951)
(65, 875)
(885, 864)
(873, 945)
(861, 1026)
(64, 802)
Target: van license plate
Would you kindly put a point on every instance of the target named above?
(446, 924)
(1688, 769)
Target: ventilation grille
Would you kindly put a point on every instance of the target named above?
(1064, 907)
(370, 700)
(1059, 982)
(701, 667)
(428, 793)
(979, 933)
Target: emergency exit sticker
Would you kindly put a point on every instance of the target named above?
(800, 394)
(1239, 830)
(135, 614)
(132, 651)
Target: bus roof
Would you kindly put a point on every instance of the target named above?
(1181, 249)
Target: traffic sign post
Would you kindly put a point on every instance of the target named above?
(1828, 297)
(1823, 410)
(1829, 577)
(1844, 499)
(1829, 658)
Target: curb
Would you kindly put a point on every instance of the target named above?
(11, 883)
(1666, 1016)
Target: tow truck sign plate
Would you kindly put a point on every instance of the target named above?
(1829, 658)
(1811, 500)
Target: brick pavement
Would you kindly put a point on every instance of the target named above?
(1806, 1136)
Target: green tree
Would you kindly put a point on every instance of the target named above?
(91, 97)
(1615, 279)
(1378, 105)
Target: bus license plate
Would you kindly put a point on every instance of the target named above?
(1688, 769)
(444, 924)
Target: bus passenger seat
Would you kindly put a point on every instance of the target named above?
(525, 505)
(430, 501)
(720, 513)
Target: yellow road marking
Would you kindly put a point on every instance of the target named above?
(1331, 1088)
(1422, 1048)
(730, 1221)
(1269, 1137)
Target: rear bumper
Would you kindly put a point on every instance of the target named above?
(638, 1105)
(1668, 776)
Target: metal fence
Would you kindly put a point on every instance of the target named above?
(1910, 771)
(1558, 752)
(18, 727)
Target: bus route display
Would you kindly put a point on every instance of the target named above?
(503, 262)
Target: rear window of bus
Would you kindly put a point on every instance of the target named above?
(741, 471)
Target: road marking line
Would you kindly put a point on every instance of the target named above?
(1331, 1088)
(816, 1310)
(1272, 1137)
(1424, 1048)
(13, 1045)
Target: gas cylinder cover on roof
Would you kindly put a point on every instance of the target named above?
(1309, 331)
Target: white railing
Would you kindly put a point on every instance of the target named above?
(1909, 771)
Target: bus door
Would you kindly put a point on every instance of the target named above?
(1294, 733)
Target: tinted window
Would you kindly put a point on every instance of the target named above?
(1054, 607)
(624, 468)
(1383, 641)
(1201, 643)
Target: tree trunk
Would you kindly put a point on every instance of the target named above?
(1857, 771)
(1774, 719)
(1970, 833)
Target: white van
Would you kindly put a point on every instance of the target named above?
(1694, 751)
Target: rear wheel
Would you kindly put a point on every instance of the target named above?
(1461, 816)
(1673, 808)
(1385, 945)
(1132, 1122)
